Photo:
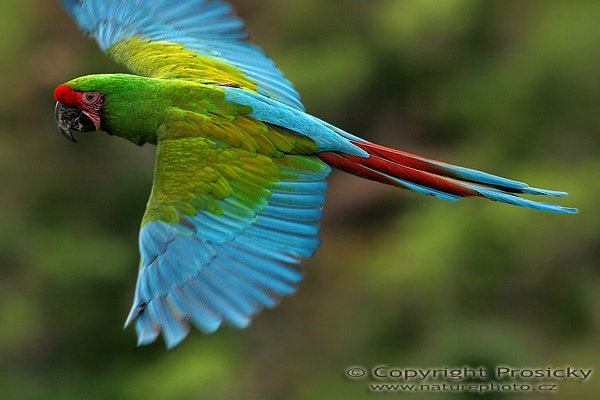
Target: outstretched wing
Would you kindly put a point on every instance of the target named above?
(224, 231)
(186, 39)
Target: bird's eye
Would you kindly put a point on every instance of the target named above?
(90, 97)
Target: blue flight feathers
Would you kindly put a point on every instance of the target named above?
(226, 269)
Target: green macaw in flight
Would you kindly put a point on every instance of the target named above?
(241, 169)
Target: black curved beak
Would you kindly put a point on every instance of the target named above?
(71, 120)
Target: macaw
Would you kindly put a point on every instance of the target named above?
(240, 177)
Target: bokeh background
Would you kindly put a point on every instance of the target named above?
(509, 87)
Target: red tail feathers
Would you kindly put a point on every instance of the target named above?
(431, 177)
(395, 167)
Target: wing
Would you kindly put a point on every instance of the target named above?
(224, 231)
(187, 39)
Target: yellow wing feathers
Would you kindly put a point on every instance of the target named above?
(171, 60)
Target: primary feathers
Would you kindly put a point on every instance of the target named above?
(241, 169)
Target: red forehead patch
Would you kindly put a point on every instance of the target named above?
(67, 96)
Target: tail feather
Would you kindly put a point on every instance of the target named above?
(436, 178)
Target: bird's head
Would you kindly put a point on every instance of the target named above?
(77, 111)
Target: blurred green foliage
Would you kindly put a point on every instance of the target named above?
(509, 87)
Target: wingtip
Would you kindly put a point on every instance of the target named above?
(133, 313)
(172, 340)
(145, 340)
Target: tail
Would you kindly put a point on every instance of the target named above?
(436, 178)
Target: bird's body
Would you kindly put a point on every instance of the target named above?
(240, 176)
